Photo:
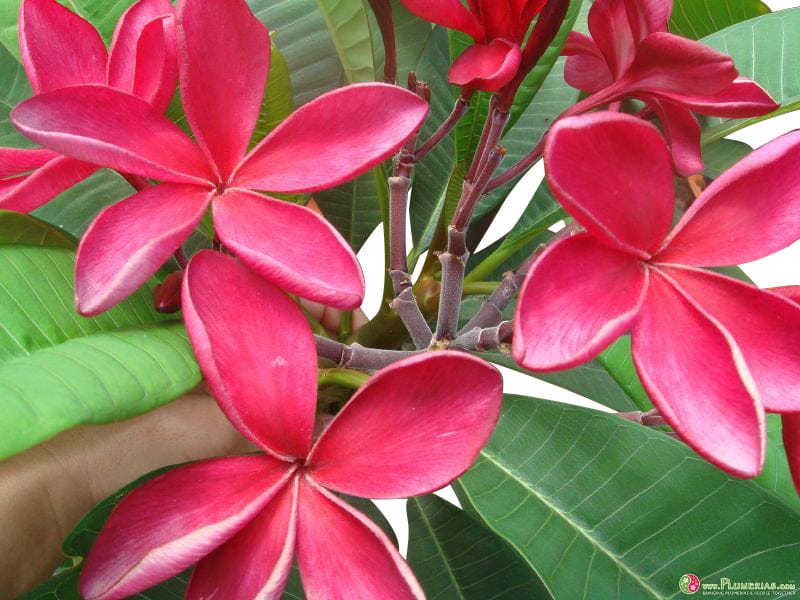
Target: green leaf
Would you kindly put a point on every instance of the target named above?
(278, 102)
(352, 208)
(64, 584)
(59, 370)
(603, 508)
(75, 209)
(696, 19)
(14, 88)
(433, 172)
(455, 556)
(767, 50)
(348, 24)
(776, 475)
(721, 155)
(19, 228)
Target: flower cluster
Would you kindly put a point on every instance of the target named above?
(708, 348)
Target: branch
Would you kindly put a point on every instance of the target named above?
(459, 110)
(491, 338)
(491, 311)
(358, 356)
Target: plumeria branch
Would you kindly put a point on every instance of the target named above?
(357, 356)
(460, 108)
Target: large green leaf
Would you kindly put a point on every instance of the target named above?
(603, 508)
(432, 174)
(14, 88)
(64, 583)
(278, 102)
(766, 49)
(75, 209)
(19, 228)
(59, 370)
(349, 25)
(456, 557)
(353, 208)
(696, 19)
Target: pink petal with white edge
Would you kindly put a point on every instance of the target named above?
(766, 328)
(749, 212)
(122, 55)
(611, 31)
(301, 253)
(486, 67)
(447, 13)
(632, 209)
(156, 64)
(413, 428)
(333, 139)
(225, 58)
(673, 64)
(107, 127)
(256, 350)
(256, 562)
(169, 523)
(58, 47)
(585, 69)
(45, 183)
(143, 59)
(367, 566)
(698, 380)
(130, 240)
(742, 98)
(791, 444)
(683, 135)
(792, 292)
(578, 298)
(16, 161)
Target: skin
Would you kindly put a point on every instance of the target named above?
(46, 490)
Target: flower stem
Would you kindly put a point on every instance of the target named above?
(358, 356)
(459, 110)
(347, 378)
(385, 19)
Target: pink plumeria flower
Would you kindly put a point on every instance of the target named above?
(498, 28)
(60, 49)
(791, 421)
(631, 55)
(712, 351)
(223, 72)
(413, 428)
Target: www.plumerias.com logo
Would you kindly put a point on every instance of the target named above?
(690, 584)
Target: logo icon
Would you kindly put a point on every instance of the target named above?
(689, 584)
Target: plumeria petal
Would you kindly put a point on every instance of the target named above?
(611, 31)
(530, 8)
(792, 292)
(683, 135)
(225, 58)
(486, 67)
(143, 57)
(170, 522)
(58, 47)
(45, 183)
(632, 209)
(16, 161)
(586, 68)
(749, 212)
(447, 13)
(578, 298)
(652, 15)
(256, 350)
(108, 127)
(742, 98)
(333, 139)
(791, 443)
(256, 562)
(676, 65)
(697, 378)
(766, 328)
(302, 253)
(414, 427)
(367, 564)
(130, 240)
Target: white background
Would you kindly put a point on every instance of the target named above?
(782, 268)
